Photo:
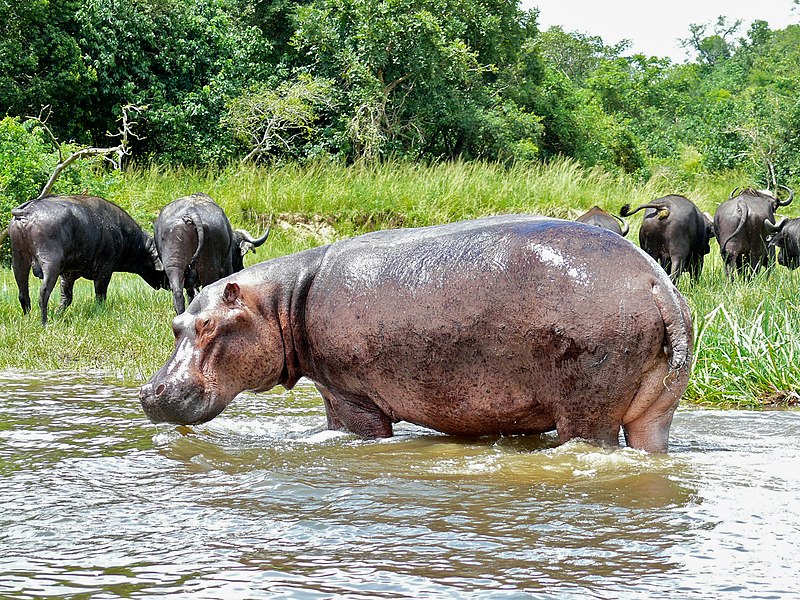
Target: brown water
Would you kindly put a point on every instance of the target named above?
(95, 502)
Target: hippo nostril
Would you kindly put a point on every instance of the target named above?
(161, 389)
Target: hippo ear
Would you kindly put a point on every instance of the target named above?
(231, 294)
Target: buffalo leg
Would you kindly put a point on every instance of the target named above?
(67, 284)
(678, 266)
(21, 265)
(50, 276)
(695, 267)
(176, 281)
(101, 288)
(732, 265)
(192, 285)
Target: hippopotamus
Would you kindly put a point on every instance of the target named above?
(502, 325)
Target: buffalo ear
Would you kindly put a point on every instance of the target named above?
(231, 294)
(774, 228)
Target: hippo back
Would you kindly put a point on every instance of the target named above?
(405, 311)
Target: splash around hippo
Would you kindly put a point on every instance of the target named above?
(502, 325)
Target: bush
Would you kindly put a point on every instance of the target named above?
(24, 163)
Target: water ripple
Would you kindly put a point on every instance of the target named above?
(263, 502)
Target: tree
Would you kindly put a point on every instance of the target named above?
(714, 47)
(273, 121)
(575, 54)
(414, 76)
(42, 62)
(183, 59)
(120, 151)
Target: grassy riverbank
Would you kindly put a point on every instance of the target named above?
(748, 332)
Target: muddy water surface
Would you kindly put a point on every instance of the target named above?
(262, 502)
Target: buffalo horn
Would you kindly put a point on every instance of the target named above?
(773, 227)
(789, 199)
(733, 193)
(251, 242)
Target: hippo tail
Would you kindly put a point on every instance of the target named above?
(742, 206)
(677, 324)
(193, 217)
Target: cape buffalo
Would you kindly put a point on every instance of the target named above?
(600, 218)
(77, 236)
(675, 233)
(198, 246)
(785, 236)
(503, 325)
(741, 230)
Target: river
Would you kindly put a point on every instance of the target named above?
(262, 502)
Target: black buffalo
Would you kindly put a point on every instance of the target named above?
(675, 233)
(740, 224)
(600, 218)
(77, 236)
(198, 246)
(785, 237)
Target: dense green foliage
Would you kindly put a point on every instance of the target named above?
(269, 80)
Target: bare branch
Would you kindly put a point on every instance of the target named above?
(43, 123)
(119, 151)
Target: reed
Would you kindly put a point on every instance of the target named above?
(747, 332)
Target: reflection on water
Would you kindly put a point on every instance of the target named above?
(262, 502)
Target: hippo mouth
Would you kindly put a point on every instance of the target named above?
(189, 408)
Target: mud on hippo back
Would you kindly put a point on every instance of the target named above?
(502, 325)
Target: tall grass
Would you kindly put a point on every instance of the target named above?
(747, 332)
(747, 338)
(399, 192)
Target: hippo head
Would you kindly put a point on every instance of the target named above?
(224, 344)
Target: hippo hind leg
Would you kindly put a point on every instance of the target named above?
(649, 428)
(356, 414)
(589, 428)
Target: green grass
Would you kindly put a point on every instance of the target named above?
(747, 332)
(747, 338)
(127, 336)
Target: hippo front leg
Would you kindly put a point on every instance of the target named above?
(357, 414)
(334, 422)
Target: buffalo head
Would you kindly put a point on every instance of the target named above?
(784, 237)
(243, 243)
